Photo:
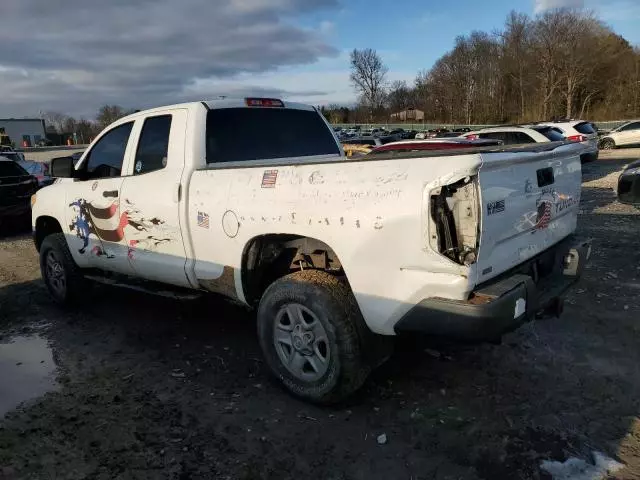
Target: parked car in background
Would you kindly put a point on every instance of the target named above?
(39, 170)
(462, 129)
(16, 188)
(624, 135)
(580, 131)
(517, 135)
(44, 142)
(629, 184)
(11, 154)
(409, 134)
(447, 135)
(362, 145)
(433, 144)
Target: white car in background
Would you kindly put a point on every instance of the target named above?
(583, 132)
(518, 135)
(626, 134)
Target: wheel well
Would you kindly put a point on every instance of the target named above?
(269, 257)
(45, 226)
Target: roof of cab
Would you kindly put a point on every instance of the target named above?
(217, 103)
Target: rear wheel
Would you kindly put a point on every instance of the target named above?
(313, 336)
(607, 144)
(61, 275)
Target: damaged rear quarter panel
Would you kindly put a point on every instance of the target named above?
(371, 213)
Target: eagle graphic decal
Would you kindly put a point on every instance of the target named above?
(104, 223)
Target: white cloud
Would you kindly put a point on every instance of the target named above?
(323, 83)
(144, 53)
(542, 5)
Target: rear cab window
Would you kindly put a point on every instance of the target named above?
(263, 133)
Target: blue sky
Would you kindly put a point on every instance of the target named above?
(411, 35)
(145, 53)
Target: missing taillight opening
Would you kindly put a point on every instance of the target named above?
(455, 217)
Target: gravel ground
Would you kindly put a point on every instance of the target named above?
(151, 388)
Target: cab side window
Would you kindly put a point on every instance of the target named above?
(502, 136)
(153, 145)
(106, 157)
(517, 138)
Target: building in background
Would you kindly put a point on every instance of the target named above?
(409, 115)
(21, 130)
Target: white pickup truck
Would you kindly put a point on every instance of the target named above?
(255, 200)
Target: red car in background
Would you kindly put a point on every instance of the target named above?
(434, 144)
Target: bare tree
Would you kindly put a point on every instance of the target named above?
(400, 97)
(109, 114)
(368, 75)
(516, 45)
(55, 121)
(561, 63)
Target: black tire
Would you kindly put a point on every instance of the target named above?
(607, 144)
(334, 306)
(75, 286)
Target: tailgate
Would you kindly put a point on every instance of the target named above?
(529, 202)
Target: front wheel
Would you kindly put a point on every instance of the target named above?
(313, 336)
(61, 275)
(607, 144)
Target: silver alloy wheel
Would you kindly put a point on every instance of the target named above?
(301, 342)
(55, 274)
(608, 144)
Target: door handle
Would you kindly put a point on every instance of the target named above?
(110, 193)
(177, 193)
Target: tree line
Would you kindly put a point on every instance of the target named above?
(60, 127)
(561, 63)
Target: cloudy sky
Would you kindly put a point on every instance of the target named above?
(72, 56)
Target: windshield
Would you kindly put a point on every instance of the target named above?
(32, 167)
(241, 134)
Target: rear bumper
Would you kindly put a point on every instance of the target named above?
(501, 305)
(589, 156)
(629, 185)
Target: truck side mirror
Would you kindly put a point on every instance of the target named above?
(62, 167)
(629, 185)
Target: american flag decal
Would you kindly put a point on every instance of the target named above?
(203, 219)
(544, 215)
(269, 178)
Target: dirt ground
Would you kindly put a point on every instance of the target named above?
(152, 388)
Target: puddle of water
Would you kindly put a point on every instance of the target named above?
(26, 370)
